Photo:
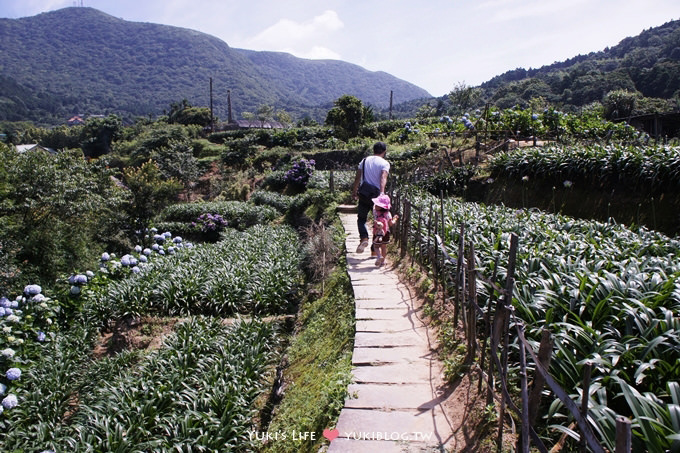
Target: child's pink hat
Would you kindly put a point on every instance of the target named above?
(383, 201)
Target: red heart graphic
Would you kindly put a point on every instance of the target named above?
(331, 434)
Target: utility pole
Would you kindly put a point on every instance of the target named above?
(229, 120)
(391, 94)
(212, 117)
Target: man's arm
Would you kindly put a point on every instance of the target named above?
(383, 181)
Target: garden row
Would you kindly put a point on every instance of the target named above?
(649, 169)
(607, 295)
(199, 390)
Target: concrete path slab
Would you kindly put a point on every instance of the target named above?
(393, 373)
(425, 426)
(419, 396)
(343, 445)
(381, 313)
(417, 354)
(388, 325)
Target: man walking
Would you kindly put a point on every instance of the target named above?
(369, 183)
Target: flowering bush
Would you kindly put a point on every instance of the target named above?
(209, 223)
(300, 173)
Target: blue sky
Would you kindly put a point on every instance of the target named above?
(435, 44)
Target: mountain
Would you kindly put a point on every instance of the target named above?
(648, 64)
(82, 61)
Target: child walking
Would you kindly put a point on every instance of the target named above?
(382, 222)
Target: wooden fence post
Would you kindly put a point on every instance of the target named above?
(502, 330)
(525, 426)
(585, 396)
(623, 435)
(544, 356)
(472, 294)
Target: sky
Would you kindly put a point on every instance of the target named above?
(434, 44)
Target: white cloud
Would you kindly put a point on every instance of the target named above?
(303, 39)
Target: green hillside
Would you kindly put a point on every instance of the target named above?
(648, 64)
(80, 60)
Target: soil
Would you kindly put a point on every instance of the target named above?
(145, 333)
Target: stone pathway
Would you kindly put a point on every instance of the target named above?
(395, 403)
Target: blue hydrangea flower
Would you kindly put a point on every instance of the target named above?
(3, 388)
(32, 290)
(106, 256)
(534, 116)
(154, 230)
(136, 270)
(13, 318)
(15, 303)
(143, 258)
(41, 336)
(13, 374)
(177, 239)
(155, 247)
(75, 290)
(80, 279)
(167, 235)
(38, 298)
(2, 311)
(89, 274)
(7, 352)
(125, 260)
(146, 251)
(10, 402)
(4, 302)
(138, 248)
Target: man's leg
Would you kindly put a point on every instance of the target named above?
(362, 217)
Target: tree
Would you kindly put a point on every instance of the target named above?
(619, 104)
(99, 133)
(56, 213)
(463, 97)
(264, 114)
(347, 116)
(150, 193)
(283, 117)
(185, 113)
(177, 161)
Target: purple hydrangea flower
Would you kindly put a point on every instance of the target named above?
(13, 374)
(32, 290)
(41, 336)
(10, 402)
